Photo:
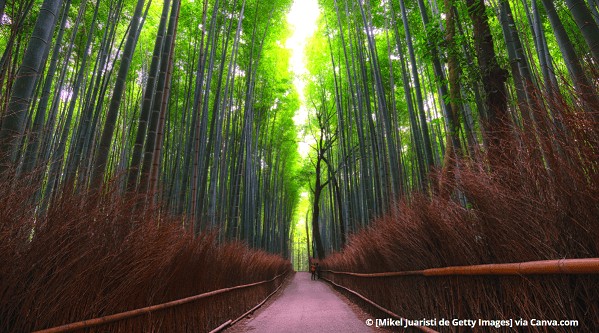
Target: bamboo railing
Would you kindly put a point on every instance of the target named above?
(560, 266)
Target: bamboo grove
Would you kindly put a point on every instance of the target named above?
(189, 103)
(404, 89)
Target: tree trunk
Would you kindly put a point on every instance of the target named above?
(453, 148)
(415, 130)
(450, 112)
(147, 100)
(2, 5)
(101, 158)
(545, 60)
(581, 83)
(594, 10)
(510, 43)
(316, 212)
(30, 159)
(158, 145)
(27, 77)
(419, 99)
(584, 20)
(493, 79)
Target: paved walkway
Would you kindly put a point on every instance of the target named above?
(305, 306)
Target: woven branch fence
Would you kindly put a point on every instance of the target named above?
(188, 314)
(508, 291)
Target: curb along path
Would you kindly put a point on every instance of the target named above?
(305, 306)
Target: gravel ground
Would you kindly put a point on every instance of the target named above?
(306, 306)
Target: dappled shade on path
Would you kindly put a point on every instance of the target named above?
(306, 306)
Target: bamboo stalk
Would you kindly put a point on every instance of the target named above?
(544, 267)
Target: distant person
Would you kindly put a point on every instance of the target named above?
(313, 271)
(317, 271)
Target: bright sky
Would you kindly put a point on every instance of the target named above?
(302, 18)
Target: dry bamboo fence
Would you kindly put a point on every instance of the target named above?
(146, 311)
(583, 266)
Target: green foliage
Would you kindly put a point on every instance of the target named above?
(227, 131)
(237, 127)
